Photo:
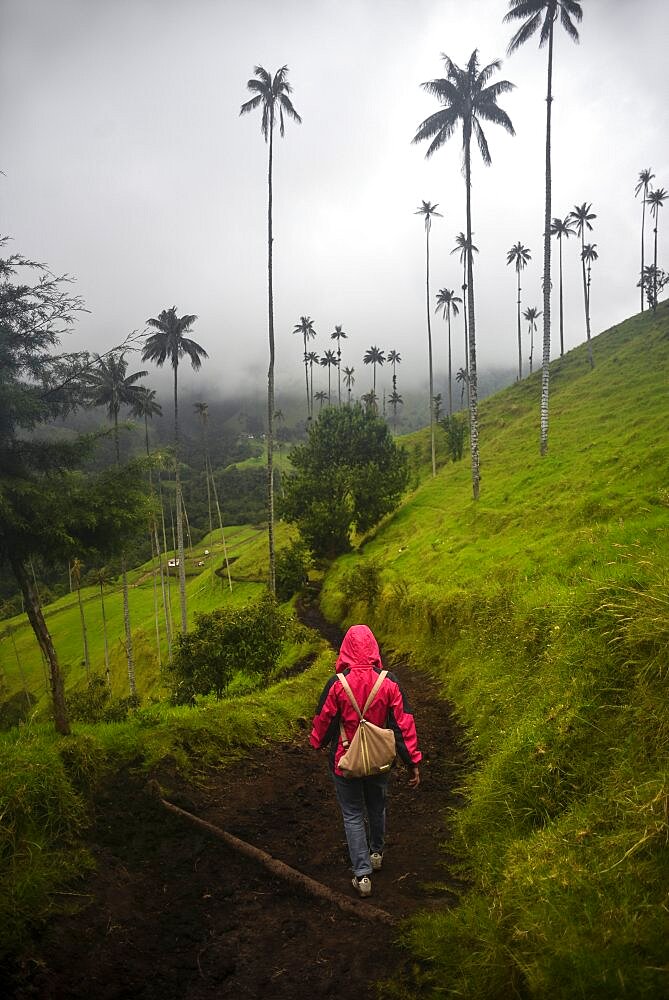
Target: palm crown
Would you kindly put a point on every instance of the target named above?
(428, 210)
(145, 404)
(169, 342)
(645, 177)
(468, 99)
(531, 11)
(581, 216)
(446, 301)
(462, 245)
(306, 328)
(562, 227)
(518, 255)
(656, 200)
(272, 93)
(111, 386)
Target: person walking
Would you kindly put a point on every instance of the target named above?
(359, 661)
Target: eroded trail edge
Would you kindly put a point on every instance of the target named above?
(175, 913)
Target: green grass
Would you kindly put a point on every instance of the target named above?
(207, 588)
(543, 612)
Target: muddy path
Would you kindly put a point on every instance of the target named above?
(173, 914)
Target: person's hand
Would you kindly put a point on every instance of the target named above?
(414, 776)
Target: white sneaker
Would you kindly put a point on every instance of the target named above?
(377, 861)
(363, 885)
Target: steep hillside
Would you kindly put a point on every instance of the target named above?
(543, 611)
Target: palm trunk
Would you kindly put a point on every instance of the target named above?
(520, 344)
(450, 368)
(220, 524)
(531, 332)
(585, 299)
(561, 305)
(546, 360)
(104, 636)
(311, 380)
(466, 324)
(270, 372)
(39, 627)
(655, 266)
(306, 377)
(84, 632)
(472, 384)
(179, 512)
(643, 227)
(129, 652)
(156, 617)
(429, 342)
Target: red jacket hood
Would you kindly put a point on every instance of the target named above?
(359, 649)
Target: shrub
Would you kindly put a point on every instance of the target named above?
(362, 583)
(225, 642)
(94, 703)
(455, 427)
(292, 566)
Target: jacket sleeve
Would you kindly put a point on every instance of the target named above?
(325, 726)
(401, 721)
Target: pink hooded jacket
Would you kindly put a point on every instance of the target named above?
(359, 658)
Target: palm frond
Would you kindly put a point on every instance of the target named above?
(520, 9)
(493, 113)
(568, 24)
(251, 105)
(444, 90)
(486, 73)
(547, 26)
(482, 143)
(524, 32)
(287, 106)
(265, 77)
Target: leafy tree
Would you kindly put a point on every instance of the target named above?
(467, 98)
(428, 210)
(224, 642)
(329, 361)
(462, 377)
(456, 430)
(519, 256)
(562, 228)
(582, 217)
(338, 335)
(656, 200)
(541, 15)
(643, 186)
(652, 283)
(47, 507)
(373, 356)
(271, 95)
(349, 381)
(348, 475)
(170, 343)
(447, 302)
(306, 328)
(531, 314)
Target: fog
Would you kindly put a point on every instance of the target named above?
(127, 166)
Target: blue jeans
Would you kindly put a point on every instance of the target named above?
(357, 797)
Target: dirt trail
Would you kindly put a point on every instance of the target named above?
(175, 915)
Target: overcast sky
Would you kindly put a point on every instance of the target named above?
(127, 166)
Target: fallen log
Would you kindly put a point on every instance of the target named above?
(363, 910)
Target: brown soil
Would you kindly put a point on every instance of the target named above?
(174, 914)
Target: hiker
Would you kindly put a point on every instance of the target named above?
(336, 722)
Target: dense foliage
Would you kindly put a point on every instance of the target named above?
(225, 642)
(292, 570)
(348, 475)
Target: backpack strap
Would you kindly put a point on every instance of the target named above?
(351, 697)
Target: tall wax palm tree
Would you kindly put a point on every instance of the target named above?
(202, 411)
(447, 302)
(170, 343)
(370, 399)
(112, 387)
(467, 98)
(329, 361)
(562, 228)
(462, 376)
(395, 400)
(271, 95)
(101, 578)
(428, 211)
(461, 247)
(531, 315)
(582, 217)
(349, 381)
(321, 396)
(394, 359)
(589, 254)
(338, 335)
(519, 256)
(313, 359)
(306, 328)
(643, 185)
(656, 200)
(541, 15)
(373, 356)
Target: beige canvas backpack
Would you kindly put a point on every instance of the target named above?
(372, 749)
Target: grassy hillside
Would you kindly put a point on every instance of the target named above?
(543, 610)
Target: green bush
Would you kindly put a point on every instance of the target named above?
(225, 642)
(94, 703)
(455, 427)
(292, 570)
(362, 584)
